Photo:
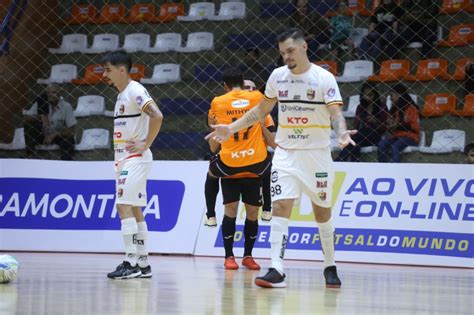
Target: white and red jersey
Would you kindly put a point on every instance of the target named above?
(303, 118)
(130, 122)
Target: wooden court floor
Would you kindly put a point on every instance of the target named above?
(65, 283)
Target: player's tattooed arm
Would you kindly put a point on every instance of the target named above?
(254, 115)
(340, 127)
(152, 110)
(154, 126)
(338, 123)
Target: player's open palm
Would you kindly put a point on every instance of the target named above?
(220, 134)
(345, 138)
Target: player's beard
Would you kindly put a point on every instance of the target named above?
(291, 66)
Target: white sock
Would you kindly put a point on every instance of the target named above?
(142, 251)
(278, 240)
(129, 232)
(326, 233)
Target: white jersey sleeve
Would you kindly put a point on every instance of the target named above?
(139, 96)
(331, 90)
(271, 89)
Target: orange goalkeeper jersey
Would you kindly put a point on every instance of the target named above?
(247, 146)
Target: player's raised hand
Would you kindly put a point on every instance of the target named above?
(220, 134)
(345, 138)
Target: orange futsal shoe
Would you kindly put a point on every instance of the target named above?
(250, 263)
(230, 263)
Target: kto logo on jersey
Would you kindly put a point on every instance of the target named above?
(243, 153)
(283, 93)
(297, 120)
(240, 103)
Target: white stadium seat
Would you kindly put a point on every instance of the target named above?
(103, 43)
(198, 41)
(89, 105)
(165, 42)
(356, 71)
(95, 138)
(71, 43)
(198, 11)
(389, 100)
(446, 141)
(164, 73)
(230, 11)
(60, 73)
(354, 101)
(136, 42)
(18, 142)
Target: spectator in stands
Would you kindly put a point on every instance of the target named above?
(469, 81)
(50, 121)
(383, 32)
(341, 27)
(252, 68)
(419, 24)
(403, 126)
(370, 121)
(469, 152)
(315, 27)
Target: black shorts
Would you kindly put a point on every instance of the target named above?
(249, 188)
(219, 169)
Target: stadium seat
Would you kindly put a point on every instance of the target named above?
(358, 34)
(453, 6)
(165, 42)
(47, 147)
(392, 70)
(276, 10)
(184, 106)
(362, 6)
(164, 73)
(230, 11)
(111, 13)
(60, 73)
(414, 97)
(354, 101)
(446, 141)
(460, 70)
(18, 142)
(71, 43)
(141, 12)
(467, 109)
(136, 42)
(169, 12)
(430, 69)
(82, 13)
(198, 11)
(459, 35)
(93, 139)
(438, 105)
(92, 75)
(103, 43)
(356, 71)
(88, 105)
(329, 65)
(198, 41)
(137, 72)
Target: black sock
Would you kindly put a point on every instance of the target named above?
(211, 189)
(228, 231)
(250, 233)
(267, 198)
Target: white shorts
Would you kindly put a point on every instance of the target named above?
(302, 171)
(130, 185)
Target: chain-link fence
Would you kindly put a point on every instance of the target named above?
(182, 59)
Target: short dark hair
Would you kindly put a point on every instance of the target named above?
(233, 77)
(468, 148)
(118, 58)
(293, 32)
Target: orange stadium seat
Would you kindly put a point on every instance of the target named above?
(142, 12)
(439, 104)
(112, 13)
(92, 75)
(453, 6)
(169, 12)
(82, 13)
(459, 35)
(460, 70)
(329, 65)
(362, 7)
(392, 70)
(467, 109)
(430, 69)
(137, 72)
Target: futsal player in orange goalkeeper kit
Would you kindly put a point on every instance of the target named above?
(241, 162)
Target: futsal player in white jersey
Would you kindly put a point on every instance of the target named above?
(137, 121)
(309, 103)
